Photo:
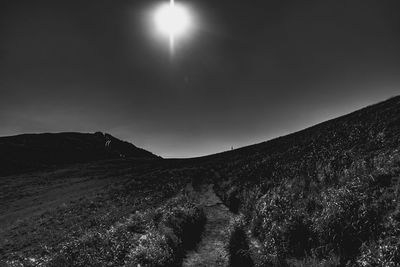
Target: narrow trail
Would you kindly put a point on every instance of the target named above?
(211, 251)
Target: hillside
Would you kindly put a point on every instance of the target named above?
(34, 151)
(329, 191)
(324, 196)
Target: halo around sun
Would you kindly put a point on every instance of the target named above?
(172, 21)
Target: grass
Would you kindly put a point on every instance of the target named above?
(238, 246)
(114, 191)
(324, 191)
(155, 237)
(319, 197)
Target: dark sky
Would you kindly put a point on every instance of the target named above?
(251, 70)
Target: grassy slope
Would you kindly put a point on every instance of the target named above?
(325, 173)
(58, 206)
(303, 174)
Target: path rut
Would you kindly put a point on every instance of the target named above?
(211, 251)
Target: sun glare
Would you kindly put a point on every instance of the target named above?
(173, 21)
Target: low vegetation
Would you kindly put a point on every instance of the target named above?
(100, 223)
(238, 246)
(326, 196)
(155, 237)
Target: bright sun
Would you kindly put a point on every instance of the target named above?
(173, 21)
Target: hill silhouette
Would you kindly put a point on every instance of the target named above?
(34, 151)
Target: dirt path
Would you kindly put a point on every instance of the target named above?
(211, 251)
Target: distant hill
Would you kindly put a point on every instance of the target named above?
(33, 151)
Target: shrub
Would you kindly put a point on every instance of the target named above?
(349, 216)
(281, 225)
(156, 237)
(97, 249)
(313, 261)
(154, 249)
(178, 229)
(386, 250)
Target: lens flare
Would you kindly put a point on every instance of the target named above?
(173, 21)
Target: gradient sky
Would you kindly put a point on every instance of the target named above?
(251, 71)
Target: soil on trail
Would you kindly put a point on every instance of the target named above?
(211, 251)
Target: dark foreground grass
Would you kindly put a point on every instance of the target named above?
(155, 237)
(86, 221)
